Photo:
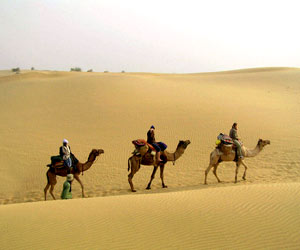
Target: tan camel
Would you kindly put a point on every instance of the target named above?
(80, 167)
(227, 154)
(135, 162)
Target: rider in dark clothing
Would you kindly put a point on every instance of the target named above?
(151, 140)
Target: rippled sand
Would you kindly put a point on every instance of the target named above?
(108, 110)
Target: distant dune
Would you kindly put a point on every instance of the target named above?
(109, 110)
(258, 70)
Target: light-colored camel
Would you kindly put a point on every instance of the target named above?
(227, 154)
(80, 167)
(135, 162)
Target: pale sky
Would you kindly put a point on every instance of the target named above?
(167, 36)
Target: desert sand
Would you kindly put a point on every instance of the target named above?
(109, 110)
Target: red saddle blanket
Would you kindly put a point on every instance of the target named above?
(142, 142)
(225, 139)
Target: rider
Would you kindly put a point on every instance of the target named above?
(233, 134)
(151, 140)
(65, 153)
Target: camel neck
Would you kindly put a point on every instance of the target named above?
(85, 166)
(174, 156)
(253, 152)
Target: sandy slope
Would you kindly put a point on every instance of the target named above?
(108, 110)
(262, 216)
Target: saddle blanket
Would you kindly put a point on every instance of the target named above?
(225, 139)
(141, 142)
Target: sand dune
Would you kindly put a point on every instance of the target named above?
(263, 216)
(255, 70)
(108, 110)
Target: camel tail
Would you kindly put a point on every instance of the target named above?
(211, 155)
(47, 177)
(129, 164)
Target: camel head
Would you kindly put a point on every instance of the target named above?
(261, 143)
(94, 153)
(183, 144)
(97, 151)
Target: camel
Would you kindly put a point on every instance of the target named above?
(227, 154)
(80, 167)
(135, 162)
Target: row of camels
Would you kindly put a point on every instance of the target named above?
(218, 155)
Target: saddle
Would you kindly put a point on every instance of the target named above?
(142, 148)
(226, 145)
(146, 151)
(141, 142)
(225, 139)
(56, 165)
(148, 159)
(57, 161)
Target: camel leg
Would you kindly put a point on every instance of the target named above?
(51, 183)
(51, 191)
(237, 171)
(152, 177)
(134, 168)
(162, 176)
(213, 161)
(244, 175)
(46, 189)
(130, 176)
(215, 172)
(47, 186)
(82, 188)
(206, 173)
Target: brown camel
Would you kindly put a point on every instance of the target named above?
(135, 162)
(227, 154)
(80, 167)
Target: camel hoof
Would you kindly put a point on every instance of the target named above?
(148, 188)
(165, 186)
(133, 190)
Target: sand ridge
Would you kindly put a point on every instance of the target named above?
(262, 216)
